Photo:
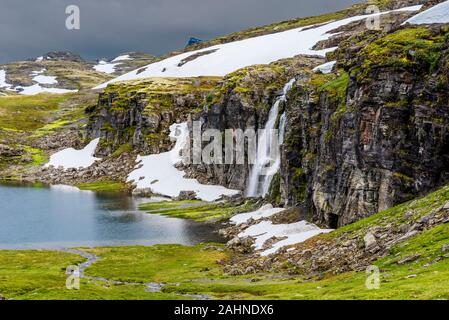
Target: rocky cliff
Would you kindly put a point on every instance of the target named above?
(369, 135)
(373, 134)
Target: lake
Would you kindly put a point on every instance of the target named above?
(60, 216)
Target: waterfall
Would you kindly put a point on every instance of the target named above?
(265, 166)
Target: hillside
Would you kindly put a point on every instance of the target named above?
(64, 72)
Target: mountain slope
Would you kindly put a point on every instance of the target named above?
(223, 59)
(64, 72)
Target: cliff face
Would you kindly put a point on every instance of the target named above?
(361, 139)
(136, 116)
(243, 100)
(373, 136)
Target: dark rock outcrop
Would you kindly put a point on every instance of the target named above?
(374, 137)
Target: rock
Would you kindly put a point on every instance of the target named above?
(241, 245)
(2, 297)
(408, 235)
(446, 206)
(250, 269)
(445, 247)
(404, 228)
(409, 259)
(370, 242)
(186, 195)
(306, 254)
(145, 192)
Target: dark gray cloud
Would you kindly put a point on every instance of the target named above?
(109, 27)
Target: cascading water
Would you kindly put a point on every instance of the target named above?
(266, 166)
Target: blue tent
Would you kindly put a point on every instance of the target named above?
(193, 41)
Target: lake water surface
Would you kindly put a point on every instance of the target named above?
(59, 216)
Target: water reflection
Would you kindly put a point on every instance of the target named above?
(51, 217)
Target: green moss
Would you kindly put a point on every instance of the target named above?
(38, 156)
(274, 194)
(104, 186)
(159, 93)
(416, 48)
(406, 179)
(197, 210)
(124, 148)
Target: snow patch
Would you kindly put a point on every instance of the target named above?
(293, 233)
(109, 67)
(39, 78)
(72, 158)
(412, 8)
(225, 58)
(158, 171)
(122, 58)
(105, 67)
(325, 68)
(3, 83)
(263, 212)
(37, 88)
(66, 188)
(436, 14)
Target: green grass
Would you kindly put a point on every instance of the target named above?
(104, 186)
(28, 113)
(40, 275)
(159, 263)
(197, 210)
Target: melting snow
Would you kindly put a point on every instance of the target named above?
(39, 78)
(264, 212)
(436, 14)
(105, 67)
(223, 59)
(158, 171)
(109, 67)
(121, 58)
(36, 88)
(71, 158)
(293, 233)
(66, 188)
(3, 83)
(326, 67)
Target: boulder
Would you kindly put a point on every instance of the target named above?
(370, 242)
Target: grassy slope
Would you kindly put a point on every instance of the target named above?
(289, 24)
(24, 119)
(34, 275)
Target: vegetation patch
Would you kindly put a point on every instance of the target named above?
(198, 210)
(41, 275)
(104, 186)
(417, 49)
(27, 113)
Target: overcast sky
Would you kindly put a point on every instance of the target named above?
(109, 27)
